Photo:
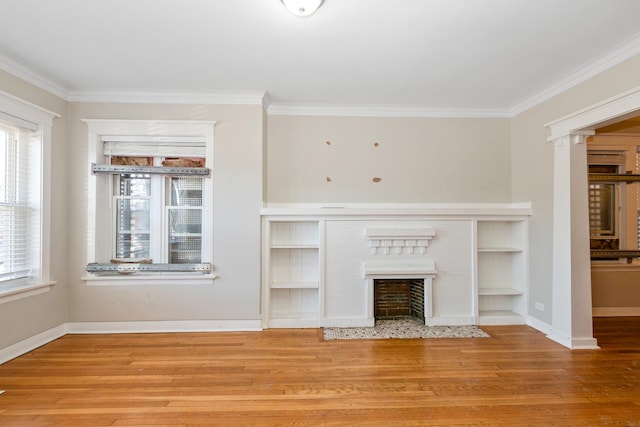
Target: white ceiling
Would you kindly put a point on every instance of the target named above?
(491, 57)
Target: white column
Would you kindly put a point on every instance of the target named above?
(572, 311)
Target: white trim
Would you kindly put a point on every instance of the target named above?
(615, 108)
(13, 293)
(43, 120)
(616, 311)
(25, 110)
(574, 344)
(23, 72)
(383, 110)
(293, 323)
(164, 326)
(456, 210)
(539, 325)
(451, 320)
(31, 343)
(183, 128)
(572, 308)
(622, 52)
(249, 97)
(149, 279)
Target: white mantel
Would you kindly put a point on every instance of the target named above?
(466, 210)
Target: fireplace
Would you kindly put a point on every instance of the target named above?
(398, 298)
(399, 289)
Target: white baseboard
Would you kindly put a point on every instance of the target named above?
(25, 346)
(541, 326)
(615, 311)
(45, 337)
(574, 343)
(163, 326)
(450, 321)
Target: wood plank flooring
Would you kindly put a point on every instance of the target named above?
(293, 377)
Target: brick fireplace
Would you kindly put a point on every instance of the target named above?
(398, 298)
(400, 289)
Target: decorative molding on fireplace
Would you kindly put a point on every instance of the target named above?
(399, 269)
(401, 240)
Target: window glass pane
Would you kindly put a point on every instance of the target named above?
(135, 185)
(186, 191)
(133, 216)
(185, 220)
(185, 241)
(602, 209)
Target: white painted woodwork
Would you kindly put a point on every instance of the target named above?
(399, 239)
(502, 271)
(319, 266)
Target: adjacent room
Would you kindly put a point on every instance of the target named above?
(210, 209)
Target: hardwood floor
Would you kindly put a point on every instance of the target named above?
(293, 377)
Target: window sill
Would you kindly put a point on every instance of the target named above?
(23, 290)
(149, 279)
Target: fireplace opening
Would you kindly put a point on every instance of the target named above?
(398, 298)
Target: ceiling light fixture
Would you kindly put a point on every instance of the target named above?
(302, 8)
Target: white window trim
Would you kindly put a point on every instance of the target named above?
(156, 128)
(25, 114)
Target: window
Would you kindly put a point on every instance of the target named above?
(158, 218)
(19, 204)
(25, 133)
(613, 198)
(151, 199)
(604, 205)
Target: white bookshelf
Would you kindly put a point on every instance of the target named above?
(502, 271)
(293, 274)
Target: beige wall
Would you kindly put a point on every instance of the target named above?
(417, 160)
(615, 288)
(26, 317)
(237, 174)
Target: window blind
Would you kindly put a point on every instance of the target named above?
(153, 146)
(20, 158)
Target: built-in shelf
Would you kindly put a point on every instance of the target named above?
(292, 254)
(502, 271)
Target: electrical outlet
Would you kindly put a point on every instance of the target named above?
(540, 306)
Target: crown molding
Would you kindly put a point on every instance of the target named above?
(620, 53)
(382, 110)
(615, 56)
(170, 97)
(25, 73)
